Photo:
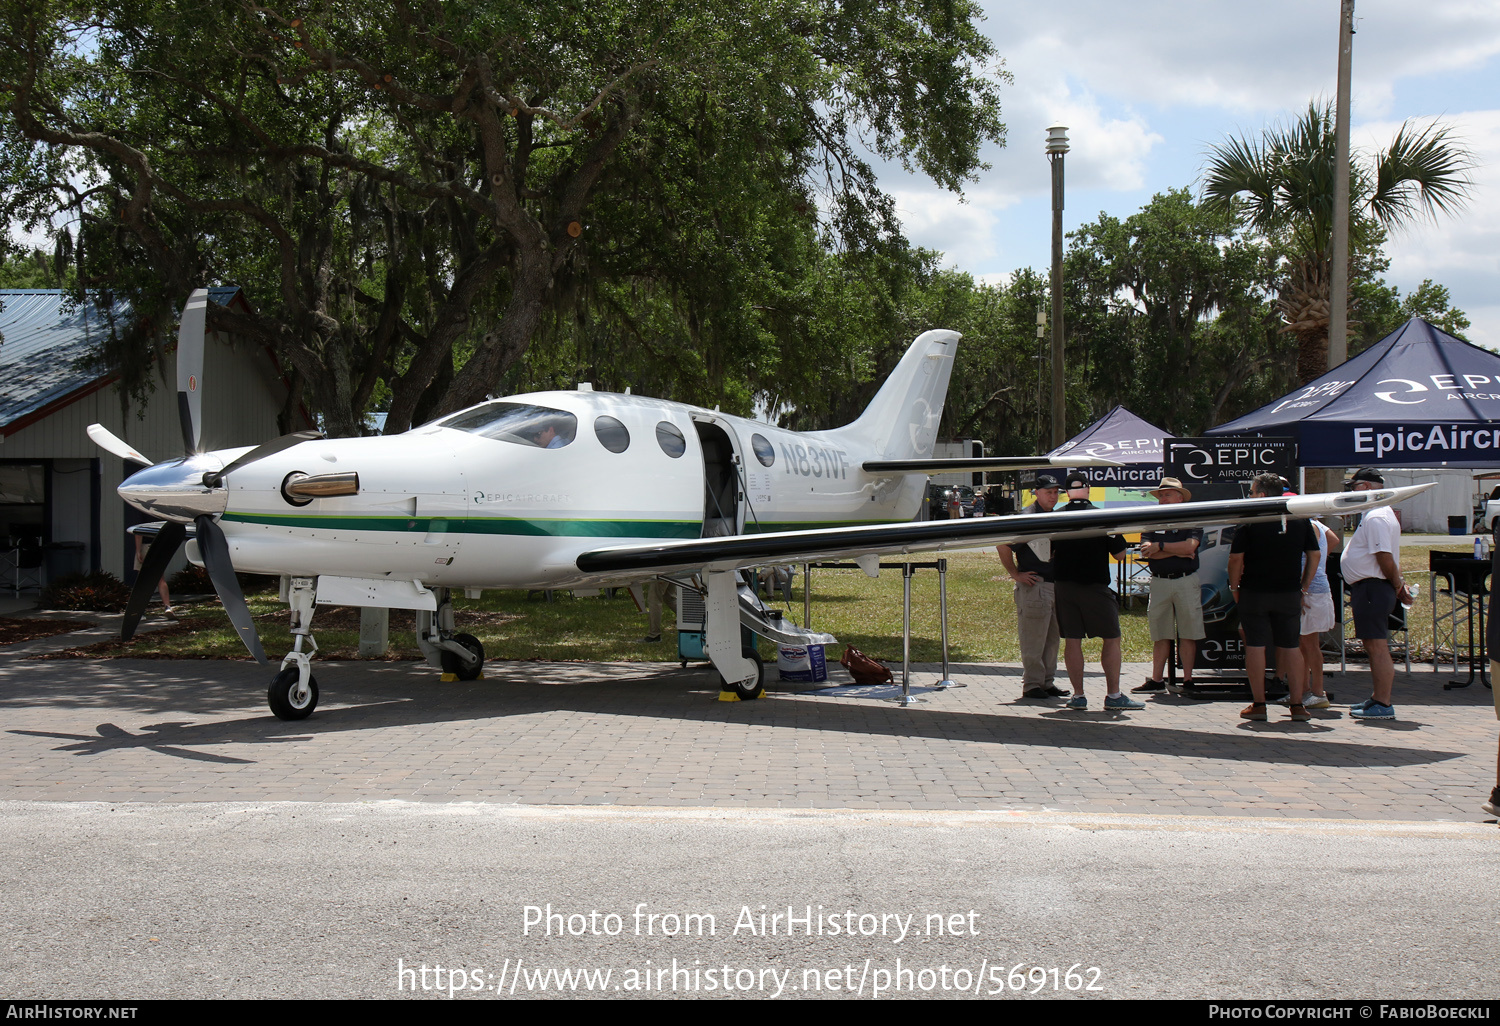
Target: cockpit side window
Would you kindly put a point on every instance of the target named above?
(521, 423)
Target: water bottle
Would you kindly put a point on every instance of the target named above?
(1478, 547)
(1411, 596)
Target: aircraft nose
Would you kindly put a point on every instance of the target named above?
(174, 490)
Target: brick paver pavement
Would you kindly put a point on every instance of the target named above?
(653, 734)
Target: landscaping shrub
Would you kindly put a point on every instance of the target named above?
(99, 592)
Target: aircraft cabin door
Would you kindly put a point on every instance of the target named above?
(723, 499)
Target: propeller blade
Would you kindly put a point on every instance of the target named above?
(261, 452)
(215, 551)
(107, 440)
(163, 547)
(190, 368)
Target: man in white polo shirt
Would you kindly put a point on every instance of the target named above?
(1372, 568)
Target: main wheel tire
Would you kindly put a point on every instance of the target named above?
(284, 700)
(454, 664)
(746, 694)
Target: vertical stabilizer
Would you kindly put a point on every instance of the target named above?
(901, 422)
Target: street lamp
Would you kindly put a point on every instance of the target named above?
(1057, 146)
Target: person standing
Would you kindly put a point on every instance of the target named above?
(1271, 567)
(1030, 567)
(1176, 609)
(1318, 617)
(1086, 608)
(1372, 568)
(141, 548)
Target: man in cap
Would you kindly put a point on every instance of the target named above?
(1176, 609)
(1371, 566)
(1030, 567)
(1086, 608)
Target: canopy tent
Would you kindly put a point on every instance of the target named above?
(1417, 398)
(1120, 435)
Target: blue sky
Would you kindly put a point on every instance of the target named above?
(1147, 87)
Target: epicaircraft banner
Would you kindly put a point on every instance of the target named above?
(1400, 444)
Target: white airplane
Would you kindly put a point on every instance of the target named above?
(583, 489)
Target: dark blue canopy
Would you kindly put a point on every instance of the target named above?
(1417, 398)
(1120, 435)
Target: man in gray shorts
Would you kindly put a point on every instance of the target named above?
(1176, 609)
(1371, 566)
(1086, 608)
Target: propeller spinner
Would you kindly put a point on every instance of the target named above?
(189, 490)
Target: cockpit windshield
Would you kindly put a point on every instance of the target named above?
(523, 424)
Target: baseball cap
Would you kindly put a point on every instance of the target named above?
(1044, 481)
(1077, 481)
(1367, 474)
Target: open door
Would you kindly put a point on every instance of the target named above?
(723, 512)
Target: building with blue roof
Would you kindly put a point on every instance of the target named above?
(58, 508)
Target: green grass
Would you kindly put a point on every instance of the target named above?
(854, 608)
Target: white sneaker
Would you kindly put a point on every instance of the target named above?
(1315, 701)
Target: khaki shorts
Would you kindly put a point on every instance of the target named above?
(1176, 609)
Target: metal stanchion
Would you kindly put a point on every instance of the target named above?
(943, 623)
(906, 696)
(807, 595)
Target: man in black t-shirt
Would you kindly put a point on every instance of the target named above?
(1086, 608)
(1267, 578)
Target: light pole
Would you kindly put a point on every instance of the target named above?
(1338, 308)
(1041, 357)
(1057, 145)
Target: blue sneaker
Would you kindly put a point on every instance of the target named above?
(1360, 705)
(1116, 703)
(1373, 710)
(1078, 702)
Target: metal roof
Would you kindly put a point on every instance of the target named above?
(47, 340)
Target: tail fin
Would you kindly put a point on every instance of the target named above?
(901, 422)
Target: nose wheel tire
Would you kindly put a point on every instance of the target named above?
(755, 690)
(454, 664)
(287, 700)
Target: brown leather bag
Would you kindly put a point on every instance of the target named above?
(863, 669)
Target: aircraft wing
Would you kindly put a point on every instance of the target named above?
(741, 551)
(958, 465)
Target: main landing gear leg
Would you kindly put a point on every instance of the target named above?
(459, 656)
(741, 674)
(294, 691)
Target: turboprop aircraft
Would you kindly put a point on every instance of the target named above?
(583, 489)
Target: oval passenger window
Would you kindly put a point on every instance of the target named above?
(670, 439)
(612, 434)
(764, 451)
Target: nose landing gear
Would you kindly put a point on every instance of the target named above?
(294, 691)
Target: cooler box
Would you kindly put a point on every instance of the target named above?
(802, 662)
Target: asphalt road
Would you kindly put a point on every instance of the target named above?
(319, 900)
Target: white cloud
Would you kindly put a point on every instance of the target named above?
(1269, 56)
(1461, 252)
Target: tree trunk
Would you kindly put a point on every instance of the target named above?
(499, 350)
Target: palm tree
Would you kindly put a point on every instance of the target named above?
(1281, 185)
